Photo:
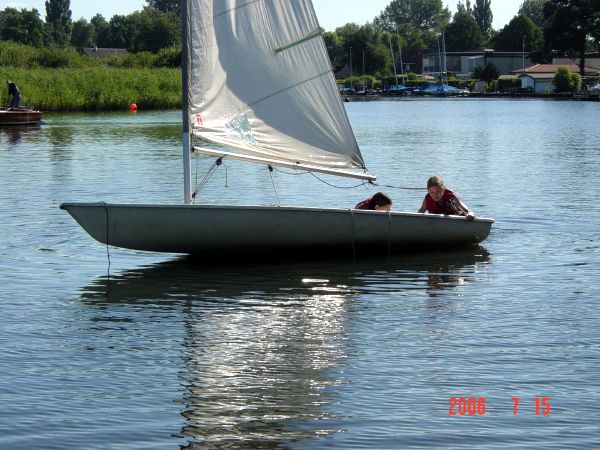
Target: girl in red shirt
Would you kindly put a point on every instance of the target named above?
(440, 200)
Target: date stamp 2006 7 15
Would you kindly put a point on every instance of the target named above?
(460, 406)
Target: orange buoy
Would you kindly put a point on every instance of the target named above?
(133, 107)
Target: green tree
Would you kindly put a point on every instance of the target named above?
(463, 33)
(334, 46)
(97, 20)
(23, 27)
(58, 21)
(356, 39)
(464, 7)
(534, 9)
(564, 80)
(520, 28)
(425, 15)
(166, 6)
(490, 72)
(156, 30)
(568, 24)
(101, 30)
(82, 34)
(122, 31)
(482, 13)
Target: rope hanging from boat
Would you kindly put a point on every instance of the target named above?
(107, 245)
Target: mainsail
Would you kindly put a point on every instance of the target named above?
(260, 82)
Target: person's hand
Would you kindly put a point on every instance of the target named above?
(470, 216)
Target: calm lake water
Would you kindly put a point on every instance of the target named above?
(159, 351)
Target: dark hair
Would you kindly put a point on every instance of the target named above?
(380, 199)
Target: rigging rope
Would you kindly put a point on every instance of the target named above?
(273, 183)
(398, 187)
(209, 173)
(390, 186)
(321, 180)
(219, 162)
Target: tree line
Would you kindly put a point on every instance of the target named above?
(151, 29)
(543, 28)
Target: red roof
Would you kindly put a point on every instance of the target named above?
(552, 68)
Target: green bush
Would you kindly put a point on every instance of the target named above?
(168, 57)
(96, 88)
(367, 80)
(352, 81)
(509, 85)
(17, 55)
(565, 80)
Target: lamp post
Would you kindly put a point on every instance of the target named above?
(523, 54)
(350, 66)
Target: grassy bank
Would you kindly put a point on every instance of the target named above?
(95, 88)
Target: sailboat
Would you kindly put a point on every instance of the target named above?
(258, 87)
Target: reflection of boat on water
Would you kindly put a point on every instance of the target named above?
(262, 344)
(14, 133)
(19, 116)
(189, 278)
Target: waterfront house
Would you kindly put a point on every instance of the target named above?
(539, 77)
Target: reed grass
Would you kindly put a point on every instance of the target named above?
(95, 88)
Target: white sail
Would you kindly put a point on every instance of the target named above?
(260, 82)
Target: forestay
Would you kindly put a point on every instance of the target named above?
(261, 83)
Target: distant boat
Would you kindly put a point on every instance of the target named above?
(439, 90)
(257, 82)
(397, 89)
(19, 116)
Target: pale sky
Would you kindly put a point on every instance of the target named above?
(331, 13)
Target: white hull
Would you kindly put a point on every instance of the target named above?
(256, 231)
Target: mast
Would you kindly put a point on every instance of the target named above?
(364, 80)
(185, 82)
(445, 66)
(393, 59)
(400, 56)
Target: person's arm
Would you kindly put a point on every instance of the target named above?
(423, 207)
(462, 207)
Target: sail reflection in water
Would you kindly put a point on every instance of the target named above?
(266, 348)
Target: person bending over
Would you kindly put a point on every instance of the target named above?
(440, 200)
(379, 202)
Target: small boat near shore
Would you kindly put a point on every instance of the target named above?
(19, 116)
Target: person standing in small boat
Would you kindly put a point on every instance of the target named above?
(13, 91)
(379, 202)
(440, 200)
